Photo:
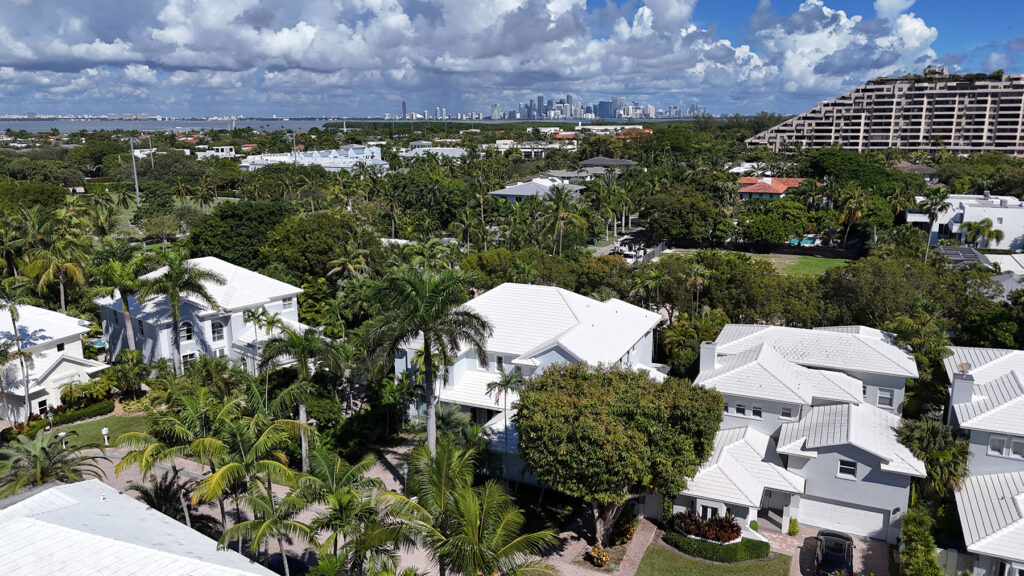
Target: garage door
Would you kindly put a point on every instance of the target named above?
(855, 521)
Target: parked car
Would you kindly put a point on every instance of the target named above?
(833, 554)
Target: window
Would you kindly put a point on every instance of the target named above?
(1017, 448)
(996, 445)
(139, 322)
(786, 413)
(864, 390)
(288, 303)
(220, 353)
(741, 409)
(218, 331)
(999, 220)
(707, 512)
(500, 363)
(726, 410)
(185, 333)
(60, 347)
(756, 411)
(187, 359)
(885, 396)
(42, 406)
(848, 468)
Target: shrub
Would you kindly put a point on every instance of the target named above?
(625, 527)
(143, 405)
(741, 551)
(77, 395)
(918, 557)
(753, 525)
(598, 556)
(794, 527)
(98, 409)
(717, 528)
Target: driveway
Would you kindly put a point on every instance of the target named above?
(869, 556)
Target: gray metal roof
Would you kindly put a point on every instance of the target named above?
(91, 529)
(991, 510)
(997, 396)
(963, 256)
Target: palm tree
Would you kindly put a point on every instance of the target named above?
(345, 490)
(32, 461)
(466, 530)
(943, 452)
(274, 519)
(934, 203)
(169, 495)
(561, 209)
(507, 383)
(9, 301)
(180, 278)
(981, 230)
(417, 305)
(60, 262)
(123, 278)
(853, 210)
(307, 348)
(350, 263)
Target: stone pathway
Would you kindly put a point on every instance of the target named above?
(645, 533)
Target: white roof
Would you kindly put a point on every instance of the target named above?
(743, 464)
(452, 152)
(535, 187)
(528, 320)
(499, 441)
(90, 529)
(997, 399)
(843, 348)
(471, 390)
(991, 508)
(761, 372)
(865, 426)
(37, 326)
(12, 381)
(243, 289)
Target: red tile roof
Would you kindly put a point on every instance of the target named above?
(754, 185)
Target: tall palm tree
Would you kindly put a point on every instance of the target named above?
(10, 303)
(982, 230)
(419, 306)
(123, 278)
(345, 490)
(853, 210)
(32, 461)
(60, 262)
(467, 530)
(307, 348)
(935, 202)
(350, 263)
(561, 210)
(274, 520)
(169, 495)
(178, 279)
(508, 382)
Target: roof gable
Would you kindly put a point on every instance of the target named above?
(991, 509)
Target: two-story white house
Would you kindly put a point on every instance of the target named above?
(534, 327)
(54, 341)
(987, 402)
(204, 330)
(809, 429)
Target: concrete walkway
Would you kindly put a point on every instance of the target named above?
(869, 556)
(563, 559)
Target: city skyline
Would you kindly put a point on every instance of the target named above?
(363, 58)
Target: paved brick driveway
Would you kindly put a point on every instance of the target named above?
(869, 556)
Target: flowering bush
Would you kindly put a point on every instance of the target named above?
(717, 528)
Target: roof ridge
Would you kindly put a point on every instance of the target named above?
(998, 407)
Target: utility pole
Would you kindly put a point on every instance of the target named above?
(152, 152)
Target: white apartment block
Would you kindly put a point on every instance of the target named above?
(347, 157)
(1005, 212)
(921, 113)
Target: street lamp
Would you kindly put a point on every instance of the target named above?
(63, 439)
(106, 440)
(49, 416)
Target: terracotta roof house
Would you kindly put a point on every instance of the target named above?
(766, 187)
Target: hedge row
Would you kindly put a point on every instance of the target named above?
(69, 417)
(745, 549)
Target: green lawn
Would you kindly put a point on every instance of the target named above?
(90, 431)
(809, 265)
(661, 561)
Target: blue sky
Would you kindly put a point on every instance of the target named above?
(363, 57)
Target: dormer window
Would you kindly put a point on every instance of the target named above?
(288, 303)
(186, 332)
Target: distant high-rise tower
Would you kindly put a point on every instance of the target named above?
(495, 111)
(568, 99)
(540, 105)
(437, 112)
(404, 115)
(444, 113)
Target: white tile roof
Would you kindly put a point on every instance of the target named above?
(471, 390)
(843, 348)
(761, 372)
(862, 425)
(90, 529)
(243, 289)
(991, 509)
(499, 441)
(743, 464)
(997, 401)
(527, 320)
(37, 326)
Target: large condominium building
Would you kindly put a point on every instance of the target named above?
(964, 114)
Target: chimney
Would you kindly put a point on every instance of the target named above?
(987, 194)
(963, 385)
(708, 355)
(1003, 203)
